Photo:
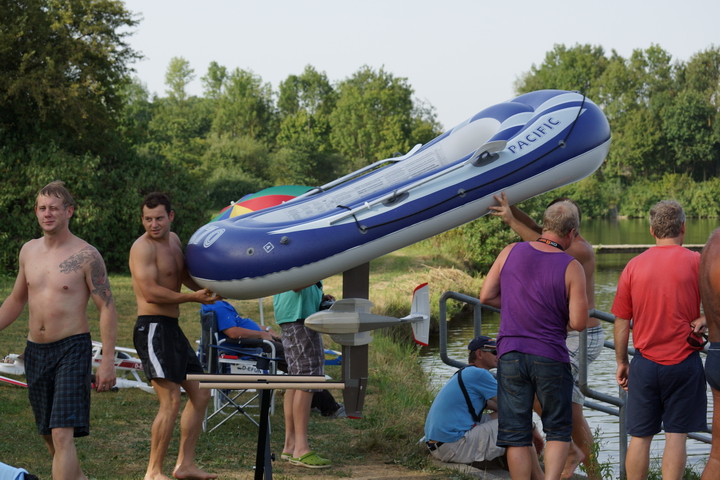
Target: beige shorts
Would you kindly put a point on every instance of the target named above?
(477, 445)
(595, 343)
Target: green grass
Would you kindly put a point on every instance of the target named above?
(397, 400)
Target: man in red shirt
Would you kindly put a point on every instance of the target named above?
(658, 290)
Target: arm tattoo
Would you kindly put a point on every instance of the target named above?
(100, 281)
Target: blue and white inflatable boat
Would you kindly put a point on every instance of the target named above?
(526, 146)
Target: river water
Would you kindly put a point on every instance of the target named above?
(602, 371)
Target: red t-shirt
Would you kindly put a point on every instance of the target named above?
(659, 292)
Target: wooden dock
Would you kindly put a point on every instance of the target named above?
(637, 248)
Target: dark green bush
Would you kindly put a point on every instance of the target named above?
(107, 191)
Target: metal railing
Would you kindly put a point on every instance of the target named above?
(618, 401)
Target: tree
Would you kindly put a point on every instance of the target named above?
(688, 125)
(577, 68)
(214, 80)
(177, 77)
(63, 64)
(304, 105)
(655, 129)
(424, 125)
(181, 124)
(310, 91)
(638, 146)
(138, 111)
(107, 214)
(306, 155)
(702, 74)
(245, 107)
(373, 116)
(233, 167)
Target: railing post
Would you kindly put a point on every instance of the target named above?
(582, 367)
(622, 433)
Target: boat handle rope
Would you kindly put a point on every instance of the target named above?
(461, 193)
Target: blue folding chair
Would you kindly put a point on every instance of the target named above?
(234, 357)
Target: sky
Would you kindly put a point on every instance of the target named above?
(459, 56)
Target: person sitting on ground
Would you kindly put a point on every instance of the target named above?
(456, 430)
(232, 325)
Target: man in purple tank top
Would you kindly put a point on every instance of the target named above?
(540, 291)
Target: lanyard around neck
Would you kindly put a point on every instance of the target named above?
(551, 243)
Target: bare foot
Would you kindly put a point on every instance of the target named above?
(192, 473)
(157, 476)
(575, 456)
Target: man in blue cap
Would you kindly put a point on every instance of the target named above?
(456, 429)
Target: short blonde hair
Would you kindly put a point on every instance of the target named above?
(560, 218)
(57, 189)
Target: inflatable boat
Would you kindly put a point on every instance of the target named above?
(526, 146)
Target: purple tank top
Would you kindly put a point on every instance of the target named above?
(534, 313)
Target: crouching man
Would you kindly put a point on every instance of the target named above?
(456, 429)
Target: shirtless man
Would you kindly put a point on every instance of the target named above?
(158, 272)
(710, 295)
(583, 252)
(57, 275)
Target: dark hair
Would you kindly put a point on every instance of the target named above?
(155, 199)
(57, 189)
(472, 356)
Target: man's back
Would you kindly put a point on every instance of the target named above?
(659, 291)
(583, 252)
(535, 310)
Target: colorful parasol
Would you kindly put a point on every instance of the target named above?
(268, 197)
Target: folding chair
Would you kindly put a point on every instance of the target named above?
(229, 356)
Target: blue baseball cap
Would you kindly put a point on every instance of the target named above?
(481, 342)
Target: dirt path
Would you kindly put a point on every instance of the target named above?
(370, 469)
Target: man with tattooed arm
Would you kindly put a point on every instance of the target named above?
(57, 275)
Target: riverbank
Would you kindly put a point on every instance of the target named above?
(382, 445)
(395, 407)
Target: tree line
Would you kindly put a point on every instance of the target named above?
(71, 109)
(664, 120)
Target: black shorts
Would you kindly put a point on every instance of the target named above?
(164, 350)
(58, 377)
(712, 366)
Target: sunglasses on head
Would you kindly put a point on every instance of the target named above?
(694, 342)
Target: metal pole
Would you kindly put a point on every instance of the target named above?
(263, 460)
(622, 433)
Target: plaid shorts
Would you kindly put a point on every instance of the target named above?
(595, 344)
(58, 377)
(304, 350)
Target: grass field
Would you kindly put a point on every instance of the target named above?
(397, 401)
